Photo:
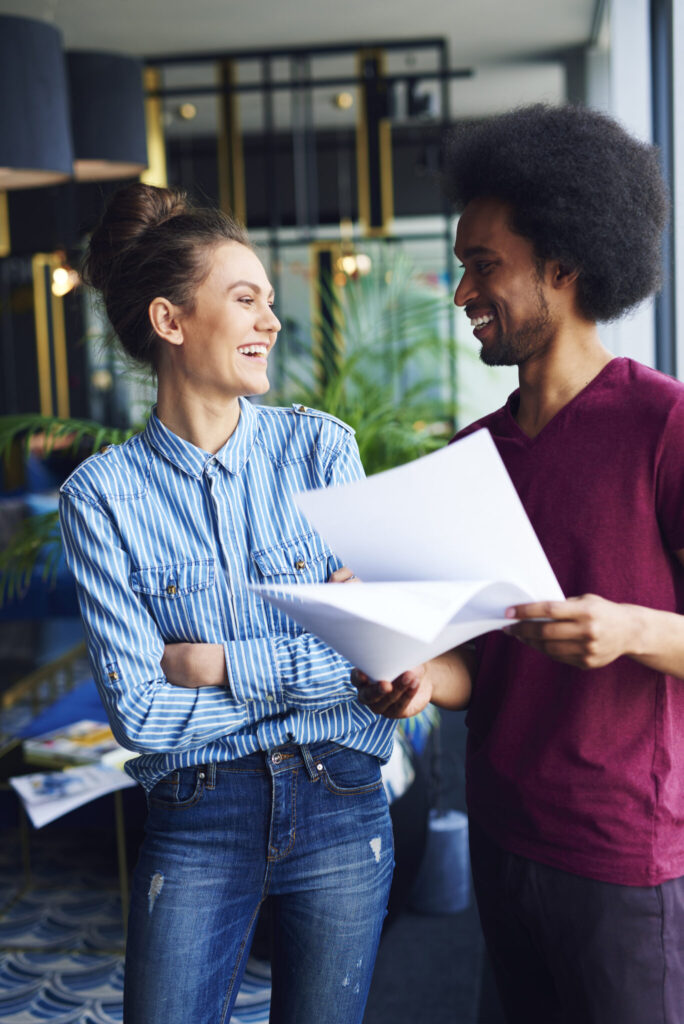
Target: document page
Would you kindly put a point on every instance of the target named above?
(443, 545)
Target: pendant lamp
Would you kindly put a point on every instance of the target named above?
(35, 133)
(107, 115)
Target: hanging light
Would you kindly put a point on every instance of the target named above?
(107, 115)
(35, 135)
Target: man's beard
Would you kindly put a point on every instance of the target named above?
(528, 340)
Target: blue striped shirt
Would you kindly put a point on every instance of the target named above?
(162, 539)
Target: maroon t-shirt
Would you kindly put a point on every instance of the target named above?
(584, 770)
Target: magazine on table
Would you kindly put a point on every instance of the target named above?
(84, 742)
(46, 796)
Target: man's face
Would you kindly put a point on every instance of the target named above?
(502, 289)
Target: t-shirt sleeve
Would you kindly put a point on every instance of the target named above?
(670, 479)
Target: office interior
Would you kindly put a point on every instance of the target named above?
(323, 130)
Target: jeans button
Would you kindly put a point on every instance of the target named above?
(277, 758)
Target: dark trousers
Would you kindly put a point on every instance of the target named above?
(570, 950)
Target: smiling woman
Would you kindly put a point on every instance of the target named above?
(245, 726)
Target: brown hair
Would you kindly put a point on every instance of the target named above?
(152, 242)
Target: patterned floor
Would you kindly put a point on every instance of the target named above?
(61, 941)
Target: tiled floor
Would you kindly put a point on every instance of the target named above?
(61, 940)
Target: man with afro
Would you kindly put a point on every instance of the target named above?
(575, 760)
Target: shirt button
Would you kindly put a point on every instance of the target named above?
(269, 697)
(171, 589)
(113, 676)
(300, 564)
(277, 758)
(302, 408)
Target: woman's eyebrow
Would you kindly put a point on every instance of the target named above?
(250, 284)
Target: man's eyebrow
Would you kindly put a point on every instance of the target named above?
(249, 284)
(476, 250)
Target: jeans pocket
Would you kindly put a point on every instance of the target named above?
(179, 789)
(348, 772)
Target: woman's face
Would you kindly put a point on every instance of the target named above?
(226, 339)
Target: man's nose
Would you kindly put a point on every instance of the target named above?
(465, 290)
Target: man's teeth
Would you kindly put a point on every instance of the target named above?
(480, 321)
(254, 350)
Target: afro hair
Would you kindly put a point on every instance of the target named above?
(581, 189)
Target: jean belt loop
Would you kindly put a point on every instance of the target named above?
(310, 764)
(210, 772)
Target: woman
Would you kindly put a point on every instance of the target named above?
(261, 768)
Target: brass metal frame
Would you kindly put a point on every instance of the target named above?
(336, 249)
(51, 347)
(5, 239)
(156, 173)
(231, 161)
(363, 168)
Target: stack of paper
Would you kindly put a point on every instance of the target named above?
(443, 546)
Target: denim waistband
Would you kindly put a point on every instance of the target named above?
(279, 759)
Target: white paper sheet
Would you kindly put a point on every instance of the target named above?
(46, 796)
(443, 546)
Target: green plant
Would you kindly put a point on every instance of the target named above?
(38, 540)
(383, 363)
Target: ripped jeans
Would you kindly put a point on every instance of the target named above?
(307, 826)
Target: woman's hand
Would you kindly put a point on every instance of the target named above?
(343, 575)
(194, 665)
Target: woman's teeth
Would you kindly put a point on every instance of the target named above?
(254, 350)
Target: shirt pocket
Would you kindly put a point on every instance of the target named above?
(298, 560)
(302, 559)
(179, 596)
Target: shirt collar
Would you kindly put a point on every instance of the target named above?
(187, 457)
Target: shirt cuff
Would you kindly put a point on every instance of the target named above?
(253, 670)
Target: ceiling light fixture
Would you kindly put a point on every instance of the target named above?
(107, 115)
(35, 135)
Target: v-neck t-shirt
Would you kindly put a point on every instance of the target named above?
(584, 770)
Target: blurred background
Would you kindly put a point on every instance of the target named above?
(322, 127)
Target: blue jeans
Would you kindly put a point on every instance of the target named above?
(307, 826)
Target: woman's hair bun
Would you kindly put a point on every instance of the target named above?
(152, 242)
(130, 213)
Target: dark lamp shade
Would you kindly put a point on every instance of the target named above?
(107, 115)
(35, 133)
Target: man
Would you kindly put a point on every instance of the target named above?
(575, 762)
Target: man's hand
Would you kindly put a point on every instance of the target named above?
(402, 697)
(587, 631)
(445, 680)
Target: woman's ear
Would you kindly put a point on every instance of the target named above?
(164, 317)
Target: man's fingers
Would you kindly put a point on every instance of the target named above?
(564, 629)
(385, 696)
(569, 609)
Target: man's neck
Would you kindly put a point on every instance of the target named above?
(551, 380)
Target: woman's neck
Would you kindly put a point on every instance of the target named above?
(205, 422)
